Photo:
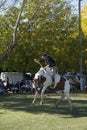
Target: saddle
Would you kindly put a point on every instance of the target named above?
(60, 85)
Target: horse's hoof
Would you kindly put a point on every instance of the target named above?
(33, 102)
(41, 103)
(71, 111)
(56, 104)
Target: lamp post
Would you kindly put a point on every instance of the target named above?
(80, 44)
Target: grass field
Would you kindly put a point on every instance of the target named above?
(18, 113)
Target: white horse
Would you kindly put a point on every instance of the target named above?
(43, 79)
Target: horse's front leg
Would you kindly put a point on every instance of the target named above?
(35, 97)
(42, 94)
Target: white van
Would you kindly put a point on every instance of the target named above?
(14, 77)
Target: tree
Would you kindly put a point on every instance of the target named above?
(7, 53)
(45, 26)
(84, 30)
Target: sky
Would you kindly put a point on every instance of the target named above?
(74, 3)
(8, 3)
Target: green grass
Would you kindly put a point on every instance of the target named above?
(18, 113)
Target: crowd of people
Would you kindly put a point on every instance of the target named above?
(26, 85)
(19, 87)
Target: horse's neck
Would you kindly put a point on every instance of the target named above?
(40, 72)
(48, 73)
(43, 72)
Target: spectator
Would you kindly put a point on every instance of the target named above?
(28, 85)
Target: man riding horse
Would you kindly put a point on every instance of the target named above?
(43, 79)
(50, 63)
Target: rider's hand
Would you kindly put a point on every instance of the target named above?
(35, 60)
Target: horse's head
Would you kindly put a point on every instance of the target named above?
(39, 78)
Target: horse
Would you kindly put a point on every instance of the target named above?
(43, 79)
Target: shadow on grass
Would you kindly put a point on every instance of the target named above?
(24, 103)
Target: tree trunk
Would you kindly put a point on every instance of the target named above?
(10, 49)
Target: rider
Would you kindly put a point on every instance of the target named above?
(49, 61)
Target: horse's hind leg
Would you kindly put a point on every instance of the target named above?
(35, 97)
(62, 97)
(69, 101)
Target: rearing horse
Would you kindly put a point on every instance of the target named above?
(43, 79)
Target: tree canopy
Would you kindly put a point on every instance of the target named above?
(45, 27)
